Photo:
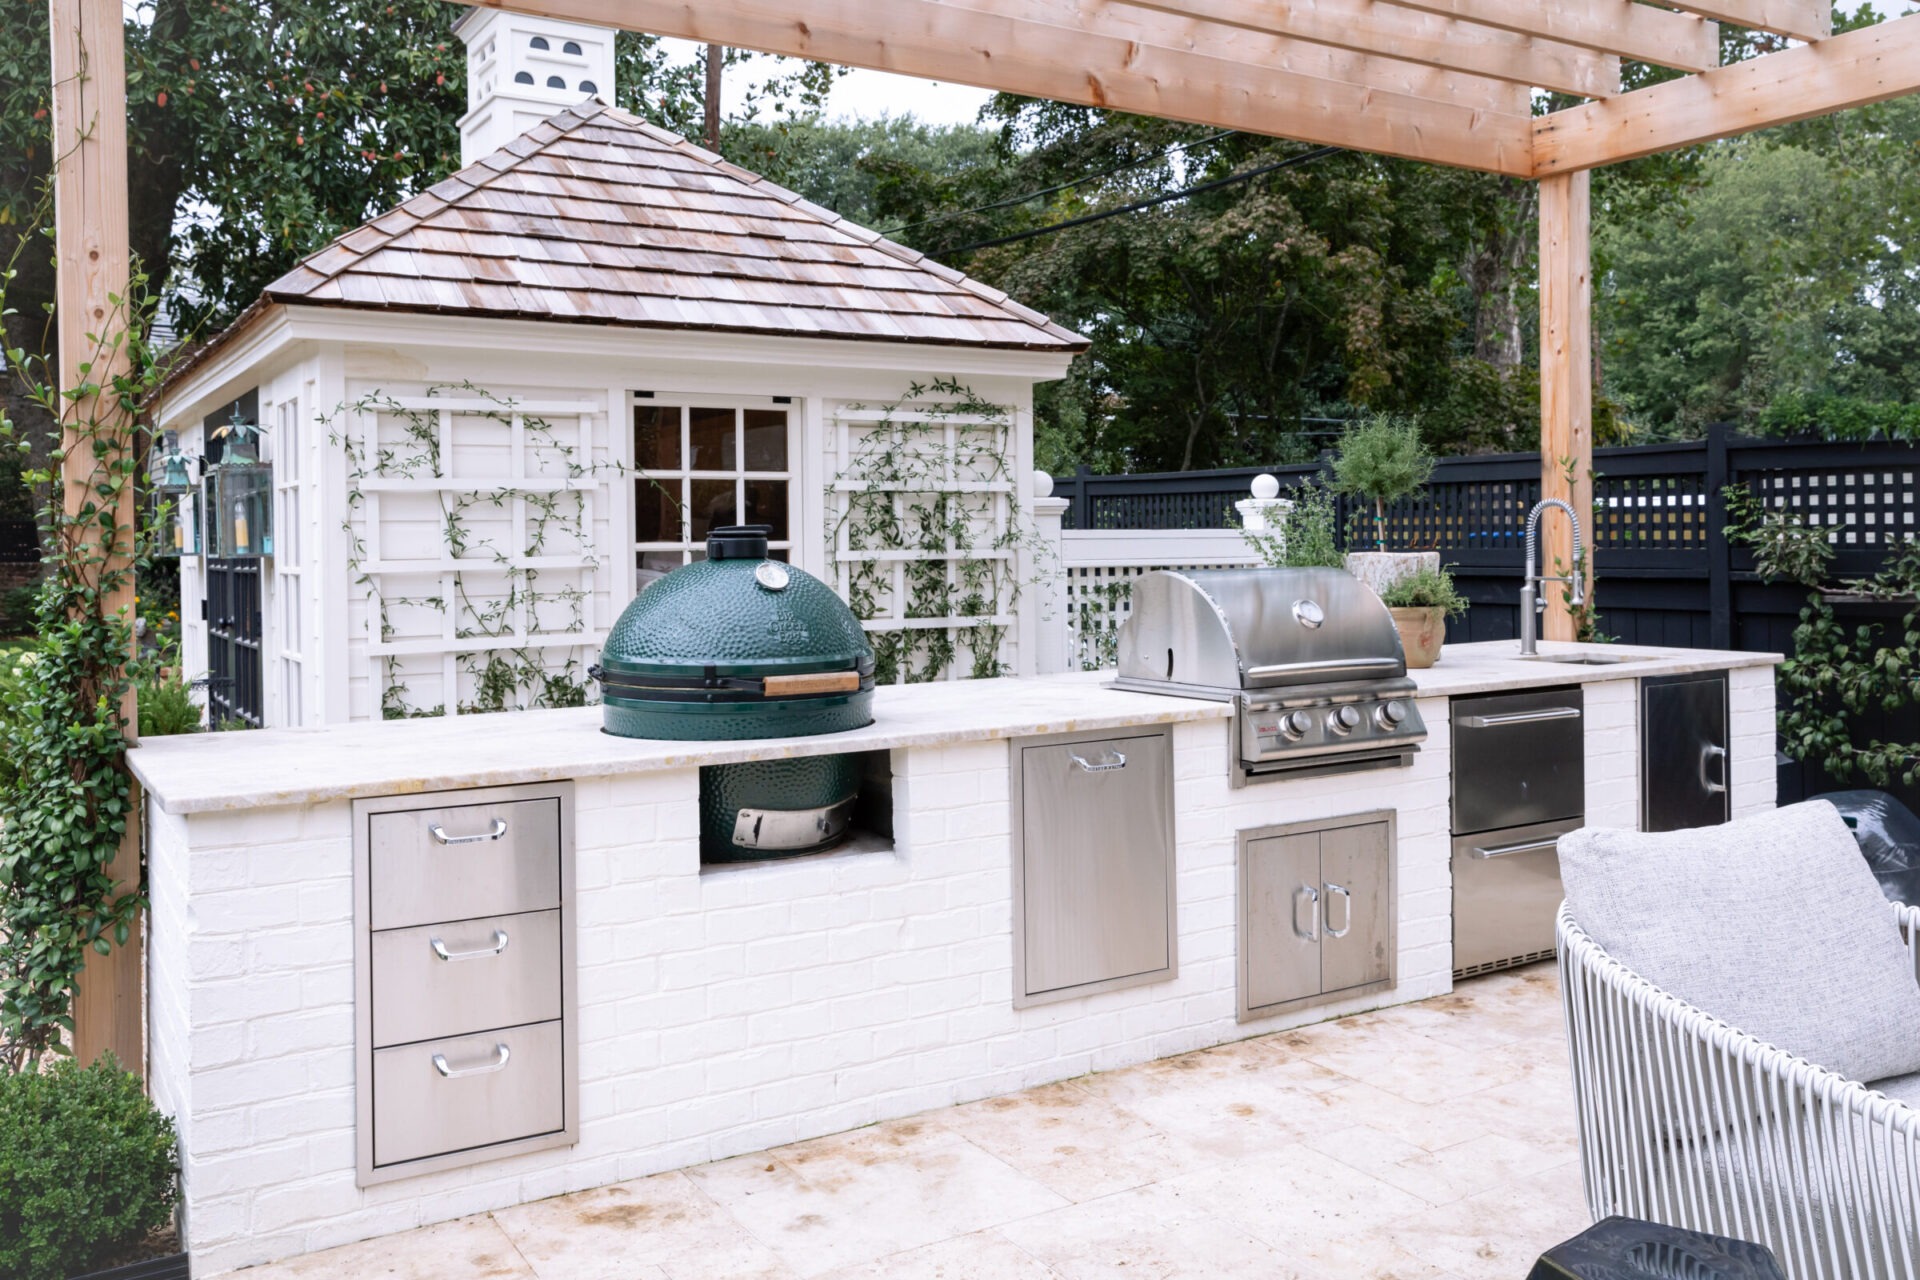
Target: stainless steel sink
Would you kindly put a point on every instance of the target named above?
(1580, 659)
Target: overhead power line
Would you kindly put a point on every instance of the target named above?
(1080, 181)
(1150, 202)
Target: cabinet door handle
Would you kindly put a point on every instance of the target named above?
(1118, 761)
(1707, 753)
(1312, 932)
(1346, 900)
(501, 1055)
(1519, 717)
(481, 953)
(1507, 850)
(494, 831)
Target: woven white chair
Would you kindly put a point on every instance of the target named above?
(1687, 1121)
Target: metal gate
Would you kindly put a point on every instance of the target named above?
(233, 642)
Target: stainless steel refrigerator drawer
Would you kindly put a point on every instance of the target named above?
(450, 979)
(1518, 758)
(1506, 892)
(474, 1091)
(461, 861)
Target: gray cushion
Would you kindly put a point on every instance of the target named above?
(1772, 924)
(1904, 1089)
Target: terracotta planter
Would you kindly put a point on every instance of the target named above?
(1422, 632)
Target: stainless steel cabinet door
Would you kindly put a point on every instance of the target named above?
(1096, 861)
(446, 979)
(1355, 907)
(1683, 752)
(1282, 919)
(462, 861)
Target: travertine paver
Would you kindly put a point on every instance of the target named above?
(1429, 1142)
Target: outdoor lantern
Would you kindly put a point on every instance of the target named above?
(239, 496)
(175, 500)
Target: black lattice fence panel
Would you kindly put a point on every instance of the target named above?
(1868, 503)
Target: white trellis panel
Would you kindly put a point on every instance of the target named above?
(1098, 567)
(965, 458)
(479, 533)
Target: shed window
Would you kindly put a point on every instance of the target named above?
(555, 82)
(699, 466)
(572, 47)
(588, 86)
(523, 77)
(538, 42)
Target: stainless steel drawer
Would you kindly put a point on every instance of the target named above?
(1518, 758)
(451, 1095)
(451, 979)
(462, 861)
(1506, 892)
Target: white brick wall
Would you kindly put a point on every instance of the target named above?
(1750, 727)
(725, 1012)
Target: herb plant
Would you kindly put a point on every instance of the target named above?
(1308, 537)
(87, 1167)
(1427, 587)
(1382, 459)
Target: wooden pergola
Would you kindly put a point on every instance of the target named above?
(1445, 81)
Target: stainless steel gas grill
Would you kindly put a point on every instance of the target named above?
(1309, 658)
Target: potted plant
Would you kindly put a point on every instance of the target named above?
(1304, 536)
(88, 1176)
(1421, 602)
(1382, 459)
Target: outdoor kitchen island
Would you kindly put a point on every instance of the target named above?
(663, 1013)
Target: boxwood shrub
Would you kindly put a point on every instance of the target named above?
(87, 1167)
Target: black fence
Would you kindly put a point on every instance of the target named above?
(19, 542)
(1666, 574)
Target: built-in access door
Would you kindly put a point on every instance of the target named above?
(233, 642)
(1316, 911)
(1683, 751)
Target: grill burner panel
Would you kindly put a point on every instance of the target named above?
(1310, 659)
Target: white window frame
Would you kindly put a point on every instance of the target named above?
(684, 476)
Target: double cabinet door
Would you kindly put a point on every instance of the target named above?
(1316, 911)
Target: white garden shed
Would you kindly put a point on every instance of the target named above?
(496, 412)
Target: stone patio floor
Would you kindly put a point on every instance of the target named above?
(1432, 1141)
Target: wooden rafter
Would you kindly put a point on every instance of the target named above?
(1659, 36)
(945, 41)
(1399, 32)
(1801, 19)
(1851, 70)
(1193, 34)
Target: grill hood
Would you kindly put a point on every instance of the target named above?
(736, 646)
(1218, 632)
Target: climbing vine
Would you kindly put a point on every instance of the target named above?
(485, 605)
(925, 479)
(1838, 673)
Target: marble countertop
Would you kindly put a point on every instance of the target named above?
(274, 768)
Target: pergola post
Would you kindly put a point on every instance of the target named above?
(92, 266)
(1566, 377)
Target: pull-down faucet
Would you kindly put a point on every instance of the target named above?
(1532, 603)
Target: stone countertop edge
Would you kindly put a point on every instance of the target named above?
(283, 768)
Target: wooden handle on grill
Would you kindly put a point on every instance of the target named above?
(817, 682)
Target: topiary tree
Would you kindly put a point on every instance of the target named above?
(1382, 459)
(87, 1168)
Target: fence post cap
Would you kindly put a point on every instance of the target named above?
(1266, 486)
(1042, 485)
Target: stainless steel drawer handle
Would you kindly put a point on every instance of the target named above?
(1507, 850)
(1312, 897)
(501, 1055)
(1118, 761)
(494, 831)
(1346, 900)
(1499, 718)
(1707, 753)
(499, 945)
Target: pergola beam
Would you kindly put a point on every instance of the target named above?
(1188, 34)
(1851, 70)
(1801, 19)
(1659, 36)
(939, 41)
(1400, 32)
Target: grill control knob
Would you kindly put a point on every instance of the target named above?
(1391, 714)
(1344, 719)
(1295, 726)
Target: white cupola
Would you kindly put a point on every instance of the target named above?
(522, 69)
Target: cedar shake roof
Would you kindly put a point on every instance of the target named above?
(598, 217)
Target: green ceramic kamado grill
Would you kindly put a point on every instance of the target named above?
(741, 646)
